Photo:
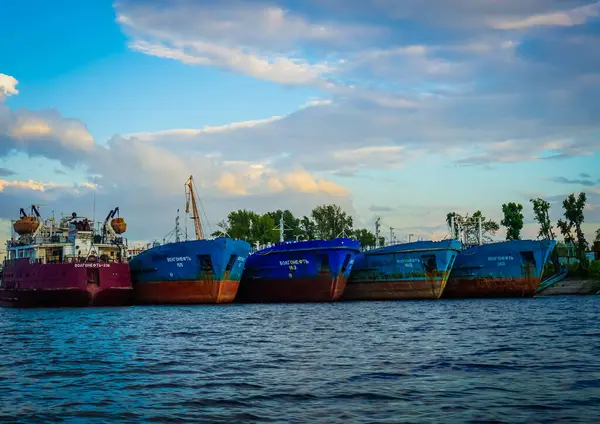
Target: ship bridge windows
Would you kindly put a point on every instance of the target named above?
(528, 262)
(325, 266)
(207, 270)
(429, 263)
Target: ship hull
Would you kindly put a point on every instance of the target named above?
(463, 288)
(396, 290)
(315, 289)
(506, 269)
(307, 271)
(186, 292)
(407, 271)
(28, 284)
(189, 272)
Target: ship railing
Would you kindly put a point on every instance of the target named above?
(68, 260)
(38, 240)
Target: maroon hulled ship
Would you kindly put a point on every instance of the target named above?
(65, 263)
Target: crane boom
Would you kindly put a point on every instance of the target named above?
(191, 197)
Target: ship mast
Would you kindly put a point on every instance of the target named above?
(177, 240)
(191, 197)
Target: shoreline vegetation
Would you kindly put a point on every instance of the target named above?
(330, 221)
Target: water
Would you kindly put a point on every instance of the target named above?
(521, 360)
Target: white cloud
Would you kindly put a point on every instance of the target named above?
(277, 69)
(182, 134)
(576, 16)
(30, 184)
(45, 134)
(8, 86)
(450, 86)
(463, 14)
(250, 38)
(252, 24)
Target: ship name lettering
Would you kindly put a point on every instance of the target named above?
(294, 262)
(408, 261)
(179, 259)
(500, 258)
(92, 265)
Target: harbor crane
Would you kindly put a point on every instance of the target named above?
(190, 197)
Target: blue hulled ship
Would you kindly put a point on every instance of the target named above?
(503, 269)
(194, 271)
(303, 271)
(417, 270)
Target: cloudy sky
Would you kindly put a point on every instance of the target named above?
(400, 109)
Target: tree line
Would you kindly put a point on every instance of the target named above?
(330, 221)
(468, 226)
(324, 222)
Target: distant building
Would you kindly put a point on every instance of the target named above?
(567, 253)
(135, 250)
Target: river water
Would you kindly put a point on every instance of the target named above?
(497, 360)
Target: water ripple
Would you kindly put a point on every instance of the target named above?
(522, 360)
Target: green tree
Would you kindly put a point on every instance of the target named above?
(513, 220)
(571, 226)
(331, 222)
(263, 230)
(308, 228)
(367, 238)
(469, 225)
(247, 225)
(541, 213)
(597, 239)
(238, 224)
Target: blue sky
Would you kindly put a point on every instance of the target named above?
(395, 109)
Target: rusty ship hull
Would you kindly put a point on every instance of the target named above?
(186, 292)
(189, 272)
(304, 271)
(310, 289)
(505, 269)
(75, 284)
(405, 271)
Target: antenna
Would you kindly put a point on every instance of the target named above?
(480, 230)
(391, 235)
(185, 228)
(177, 227)
(94, 207)
(377, 225)
(452, 230)
(281, 227)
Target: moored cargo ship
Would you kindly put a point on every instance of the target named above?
(302, 271)
(195, 271)
(417, 270)
(186, 272)
(504, 269)
(65, 263)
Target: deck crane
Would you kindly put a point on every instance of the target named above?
(191, 197)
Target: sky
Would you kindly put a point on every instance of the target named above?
(403, 110)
